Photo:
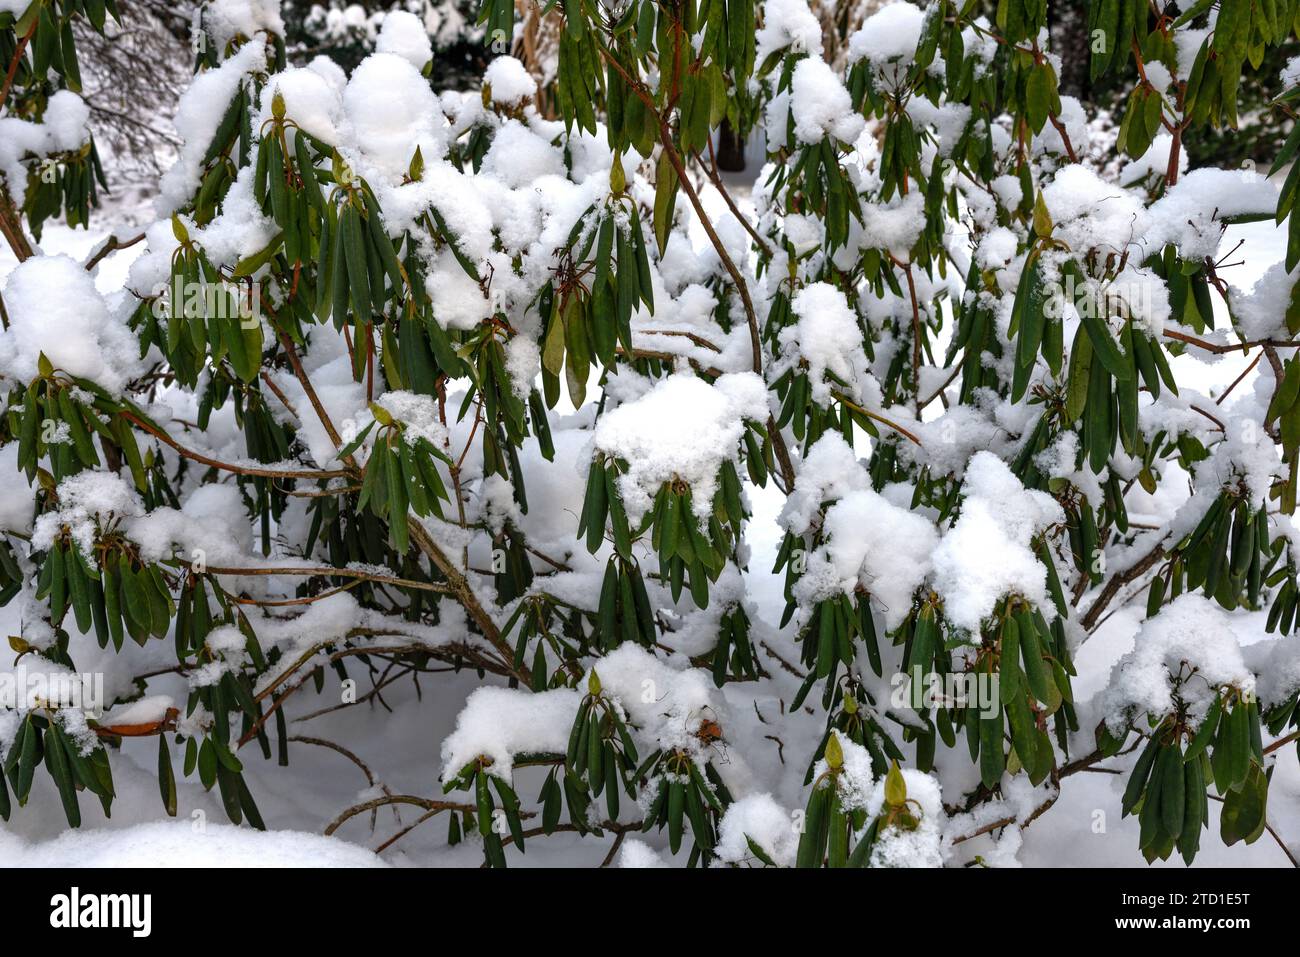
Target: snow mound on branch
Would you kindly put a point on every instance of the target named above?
(869, 541)
(54, 308)
(227, 19)
(418, 415)
(828, 337)
(820, 104)
(666, 706)
(874, 543)
(896, 225)
(987, 553)
(509, 81)
(198, 115)
(404, 35)
(759, 818)
(62, 129)
(501, 722)
(1276, 665)
(788, 24)
(1261, 313)
(1190, 215)
(519, 157)
(890, 35)
(829, 471)
(212, 520)
(922, 847)
(682, 428)
(1090, 213)
(310, 100)
(639, 854)
(176, 843)
(1189, 633)
(393, 111)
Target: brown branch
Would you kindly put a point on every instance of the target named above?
(312, 571)
(207, 460)
(1118, 581)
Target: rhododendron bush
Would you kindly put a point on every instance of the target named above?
(923, 496)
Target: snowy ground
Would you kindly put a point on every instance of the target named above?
(400, 741)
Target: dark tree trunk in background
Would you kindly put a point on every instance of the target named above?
(731, 149)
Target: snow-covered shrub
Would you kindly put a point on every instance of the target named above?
(405, 381)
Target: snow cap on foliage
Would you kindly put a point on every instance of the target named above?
(639, 855)
(986, 554)
(228, 19)
(310, 100)
(1191, 214)
(54, 308)
(888, 39)
(757, 818)
(829, 471)
(869, 541)
(404, 35)
(666, 705)
(682, 428)
(418, 415)
(393, 110)
(895, 225)
(820, 104)
(1189, 633)
(499, 723)
(828, 337)
(198, 115)
(62, 128)
(1262, 312)
(86, 500)
(509, 81)
(1089, 213)
(788, 24)
(1276, 665)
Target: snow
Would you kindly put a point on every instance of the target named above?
(393, 111)
(228, 19)
(509, 216)
(198, 115)
(820, 104)
(498, 723)
(890, 35)
(757, 818)
(184, 844)
(62, 128)
(646, 434)
(986, 555)
(1090, 214)
(1191, 212)
(147, 710)
(509, 80)
(55, 309)
(310, 100)
(404, 35)
(828, 337)
(787, 25)
(923, 846)
(895, 225)
(1189, 634)
(1261, 310)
